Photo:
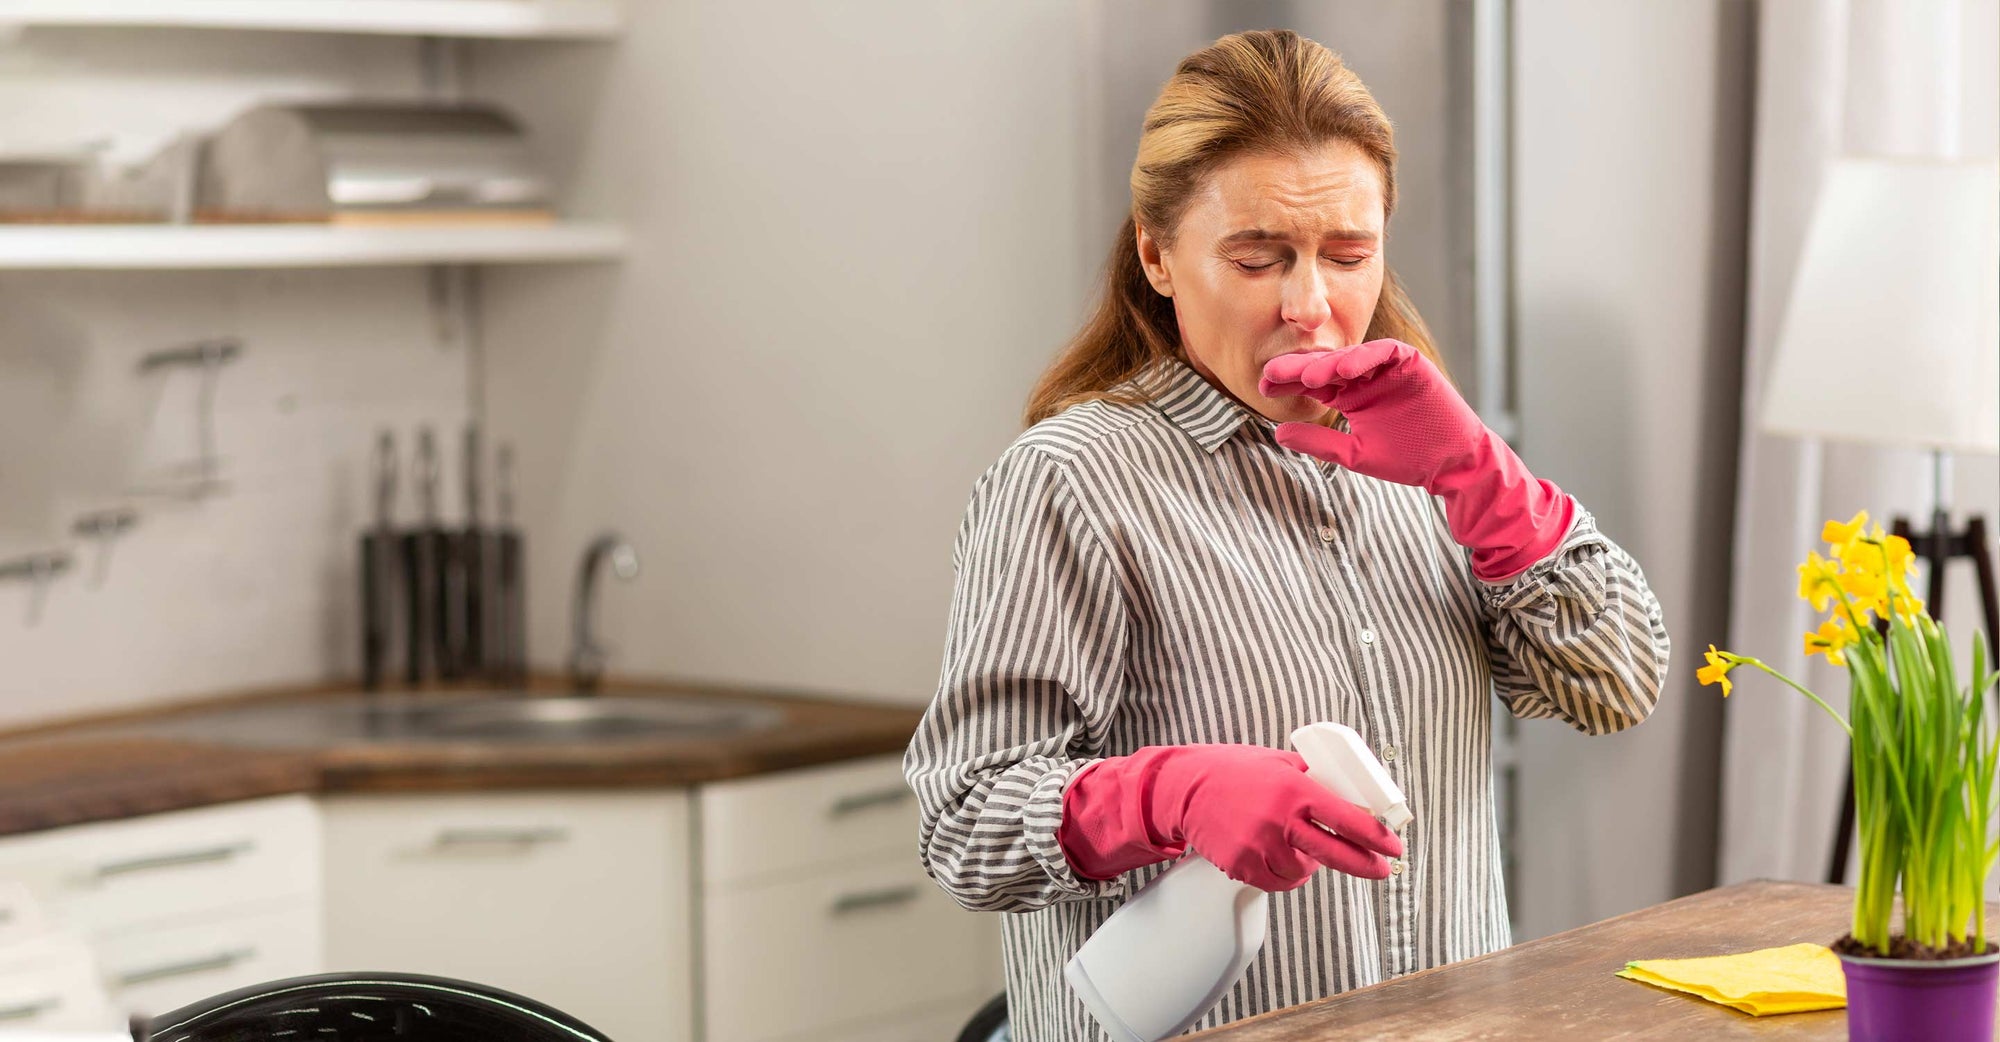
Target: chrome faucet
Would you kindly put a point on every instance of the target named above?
(586, 657)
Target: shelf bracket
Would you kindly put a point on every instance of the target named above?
(209, 356)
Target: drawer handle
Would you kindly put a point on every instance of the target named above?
(861, 801)
(218, 961)
(27, 1010)
(205, 855)
(504, 837)
(862, 900)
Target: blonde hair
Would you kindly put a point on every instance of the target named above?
(1268, 91)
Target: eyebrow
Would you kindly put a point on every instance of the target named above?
(1266, 235)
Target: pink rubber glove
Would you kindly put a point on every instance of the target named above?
(1247, 809)
(1408, 425)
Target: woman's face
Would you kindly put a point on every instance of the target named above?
(1275, 254)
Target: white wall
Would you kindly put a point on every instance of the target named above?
(1630, 172)
(862, 231)
(254, 585)
(857, 242)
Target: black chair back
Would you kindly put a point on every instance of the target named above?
(989, 1024)
(370, 1007)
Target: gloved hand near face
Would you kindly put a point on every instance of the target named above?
(1408, 425)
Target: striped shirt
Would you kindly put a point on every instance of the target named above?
(1166, 573)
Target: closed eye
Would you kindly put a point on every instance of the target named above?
(1345, 262)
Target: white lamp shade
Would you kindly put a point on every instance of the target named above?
(1892, 334)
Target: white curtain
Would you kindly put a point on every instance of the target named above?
(1834, 77)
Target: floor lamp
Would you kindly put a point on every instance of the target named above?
(1892, 338)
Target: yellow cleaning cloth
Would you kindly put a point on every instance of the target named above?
(1792, 979)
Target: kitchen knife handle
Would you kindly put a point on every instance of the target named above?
(374, 628)
(417, 577)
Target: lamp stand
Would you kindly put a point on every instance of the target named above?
(1938, 547)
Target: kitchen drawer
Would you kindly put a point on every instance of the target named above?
(776, 825)
(842, 946)
(105, 878)
(578, 899)
(20, 914)
(50, 983)
(150, 972)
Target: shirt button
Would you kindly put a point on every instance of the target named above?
(1367, 636)
(1388, 754)
(1396, 867)
(1326, 533)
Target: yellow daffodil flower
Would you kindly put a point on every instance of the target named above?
(1868, 589)
(1832, 635)
(1816, 581)
(1838, 535)
(1900, 561)
(1717, 670)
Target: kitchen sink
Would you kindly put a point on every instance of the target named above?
(588, 718)
(512, 718)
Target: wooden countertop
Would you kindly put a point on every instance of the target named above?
(1565, 986)
(109, 766)
(65, 781)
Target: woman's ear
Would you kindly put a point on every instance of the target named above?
(1153, 261)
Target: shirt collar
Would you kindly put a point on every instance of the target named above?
(1201, 410)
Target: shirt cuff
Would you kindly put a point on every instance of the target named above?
(1041, 823)
(1575, 571)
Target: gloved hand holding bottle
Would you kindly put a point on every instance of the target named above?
(1249, 810)
(1407, 424)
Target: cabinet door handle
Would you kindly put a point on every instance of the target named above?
(527, 837)
(204, 855)
(28, 1010)
(218, 961)
(862, 900)
(861, 801)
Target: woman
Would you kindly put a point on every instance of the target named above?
(1248, 500)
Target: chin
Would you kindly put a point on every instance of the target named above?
(1290, 410)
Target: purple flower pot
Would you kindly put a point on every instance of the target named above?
(1950, 1000)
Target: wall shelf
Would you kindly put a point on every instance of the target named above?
(143, 247)
(513, 19)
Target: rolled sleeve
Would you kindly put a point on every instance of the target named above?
(1579, 636)
(1034, 665)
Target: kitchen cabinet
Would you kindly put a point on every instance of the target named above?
(178, 906)
(50, 982)
(774, 826)
(783, 906)
(156, 971)
(818, 919)
(580, 899)
(111, 877)
(774, 908)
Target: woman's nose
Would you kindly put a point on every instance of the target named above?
(1305, 303)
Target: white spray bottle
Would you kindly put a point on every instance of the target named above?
(1170, 953)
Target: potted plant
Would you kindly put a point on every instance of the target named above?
(1925, 751)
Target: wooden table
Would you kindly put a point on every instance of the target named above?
(1564, 986)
